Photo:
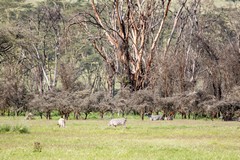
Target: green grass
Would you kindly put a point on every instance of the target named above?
(93, 139)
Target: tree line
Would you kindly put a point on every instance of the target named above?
(133, 56)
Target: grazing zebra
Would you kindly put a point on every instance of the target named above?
(61, 122)
(168, 118)
(29, 116)
(117, 122)
(155, 117)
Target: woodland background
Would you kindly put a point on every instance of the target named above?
(129, 57)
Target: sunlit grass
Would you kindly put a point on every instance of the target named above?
(93, 139)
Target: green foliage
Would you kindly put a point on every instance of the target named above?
(55, 113)
(15, 129)
(20, 129)
(93, 115)
(5, 128)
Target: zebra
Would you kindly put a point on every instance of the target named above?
(61, 122)
(155, 117)
(169, 118)
(29, 116)
(117, 122)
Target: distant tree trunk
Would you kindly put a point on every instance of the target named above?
(189, 115)
(142, 114)
(184, 116)
(41, 115)
(217, 89)
(101, 115)
(39, 80)
(76, 115)
(123, 114)
(57, 53)
(66, 115)
(16, 113)
(111, 84)
(86, 114)
(48, 115)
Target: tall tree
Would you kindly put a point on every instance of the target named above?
(127, 37)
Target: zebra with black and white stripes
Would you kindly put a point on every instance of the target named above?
(118, 122)
(156, 117)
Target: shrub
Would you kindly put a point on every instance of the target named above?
(23, 130)
(20, 129)
(17, 129)
(5, 128)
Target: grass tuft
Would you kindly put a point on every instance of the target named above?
(5, 128)
(16, 129)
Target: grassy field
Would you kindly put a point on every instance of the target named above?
(94, 140)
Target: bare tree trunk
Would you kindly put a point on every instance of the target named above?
(42, 67)
(142, 114)
(123, 114)
(41, 115)
(66, 115)
(76, 115)
(48, 115)
(129, 37)
(111, 85)
(177, 17)
(54, 82)
(86, 114)
(57, 53)
(101, 115)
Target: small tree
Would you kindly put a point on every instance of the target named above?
(142, 102)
